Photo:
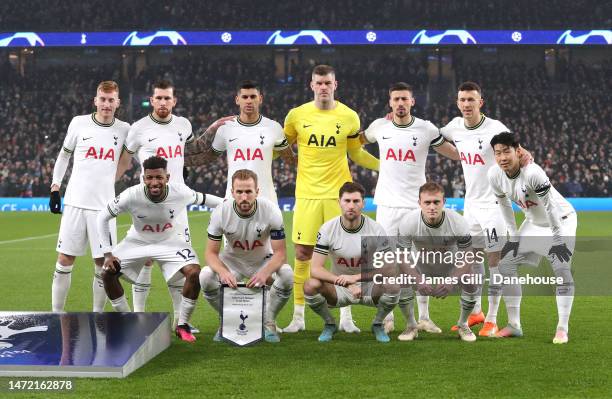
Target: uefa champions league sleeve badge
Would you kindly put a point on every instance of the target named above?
(242, 314)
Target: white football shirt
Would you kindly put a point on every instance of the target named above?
(149, 137)
(247, 236)
(451, 233)
(344, 246)
(476, 153)
(403, 152)
(96, 148)
(251, 146)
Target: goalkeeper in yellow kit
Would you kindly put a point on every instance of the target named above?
(325, 131)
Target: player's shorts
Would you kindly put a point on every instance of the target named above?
(309, 215)
(535, 241)
(244, 277)
(171, 255)
(487, 227)
(346, 298)
(78, 226)
(390, 218)
(239, 267)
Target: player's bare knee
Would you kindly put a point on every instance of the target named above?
(312, 286)
(99, 262)
(208, 279)
(303, 253)
(285, 275)
(65, 260)
(493, 258)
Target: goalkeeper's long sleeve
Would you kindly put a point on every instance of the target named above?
(363, 158)
(61, 165)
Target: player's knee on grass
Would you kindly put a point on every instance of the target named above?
(312, 286)
(66, 260)
(208, 280)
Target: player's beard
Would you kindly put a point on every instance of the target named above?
(246, 206)
(162, 113)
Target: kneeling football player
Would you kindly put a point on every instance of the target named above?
(156, 233)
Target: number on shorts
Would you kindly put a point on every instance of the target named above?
(492, 235)
(188, 237)
(185, 254)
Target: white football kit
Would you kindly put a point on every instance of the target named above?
(403, 153)
(156, 232)
(344, 248)
(487, 226)
(549, 218)
(96, 148)
(449, 235)
(248, 247)
(251, 146)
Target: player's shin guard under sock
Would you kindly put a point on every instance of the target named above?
(385, 305)
(187, 307)
(318, 304)
(512, 297)
(278, 297)
(468, 301)
(176, 293)
(62, 278)
(213, 298)
(141, 288)
(99, 295)
(478, 269)
(120, 304)
(406, 305)
(423, 305)
(301, 273)
(565, 299)
(495, 291)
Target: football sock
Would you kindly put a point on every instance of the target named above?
(406, 305)
(99, 295)
(301, 273)
(187, 306)
(278, 296)
(468, 302)
(141, 288)
(512, 298)
(62, 278)
(423, 305)
(564, 293)
(478, 269)
(318, 304)
(495, 291)
(176, 293)
(120, 304)
(386, 303)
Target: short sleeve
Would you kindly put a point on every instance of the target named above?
(132, 142)
(323, 240)
(121, 203)
(189, 128)
(370, 132)
(280, 141)
(462, 232)
(215, 226)
(447, 132)
(289, 127)
(436, 138)
(219, 145)
(188, 196)
(70, 141)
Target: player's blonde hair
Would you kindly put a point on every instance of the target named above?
(108, 86)
(244, 174)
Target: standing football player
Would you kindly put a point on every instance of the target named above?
(549, 230)
(254, 251)
(325, 130)
(95, 140)
(157, 233)
(403, 143)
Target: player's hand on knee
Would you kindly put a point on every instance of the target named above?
(442, 290)
(343, 280)
(510, 246)
(561, 251)
(228, 278)
(259, 279)
(355, 290)
(55, 202)
(424, 289)
(112, 264)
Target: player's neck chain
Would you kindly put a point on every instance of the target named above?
(249, 124)
(245, 216)
(355, 230)
(160, 122)
(162, 198)
(406, 125)
(434, 226)
(476, 126)
(93, 118)
(515, 175)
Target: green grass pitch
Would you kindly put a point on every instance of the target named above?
(351, 365)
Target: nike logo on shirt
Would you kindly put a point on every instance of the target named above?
(87, 138)
(154, 138)
(230, 140)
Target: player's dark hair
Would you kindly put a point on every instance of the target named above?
(400, 86)
(248, 84)
(155, 162)
(323, 70)
(470, 86)
(163, 85)
(352, 187)
(244, 174)
(431, 187)
(505, 138)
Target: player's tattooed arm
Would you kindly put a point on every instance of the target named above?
(200, 151)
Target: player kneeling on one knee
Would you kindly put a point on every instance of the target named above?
(157, 234)
(342, 239)
(254, 252)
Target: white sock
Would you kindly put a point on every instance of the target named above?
(467, 307)
(176, 293)
(565, 299)
(423, 305)
(478, 268)
(99, 295)
(277, 298)
(512, 297)
(186, 310)
(121, 304)
(495, 291)
(62, 277)
(298, 311)
(345, 313)
(406, 305)
(141, 288)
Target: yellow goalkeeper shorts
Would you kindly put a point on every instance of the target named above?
(309, 215)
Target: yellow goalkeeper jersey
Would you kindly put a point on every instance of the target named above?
(323, 138)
